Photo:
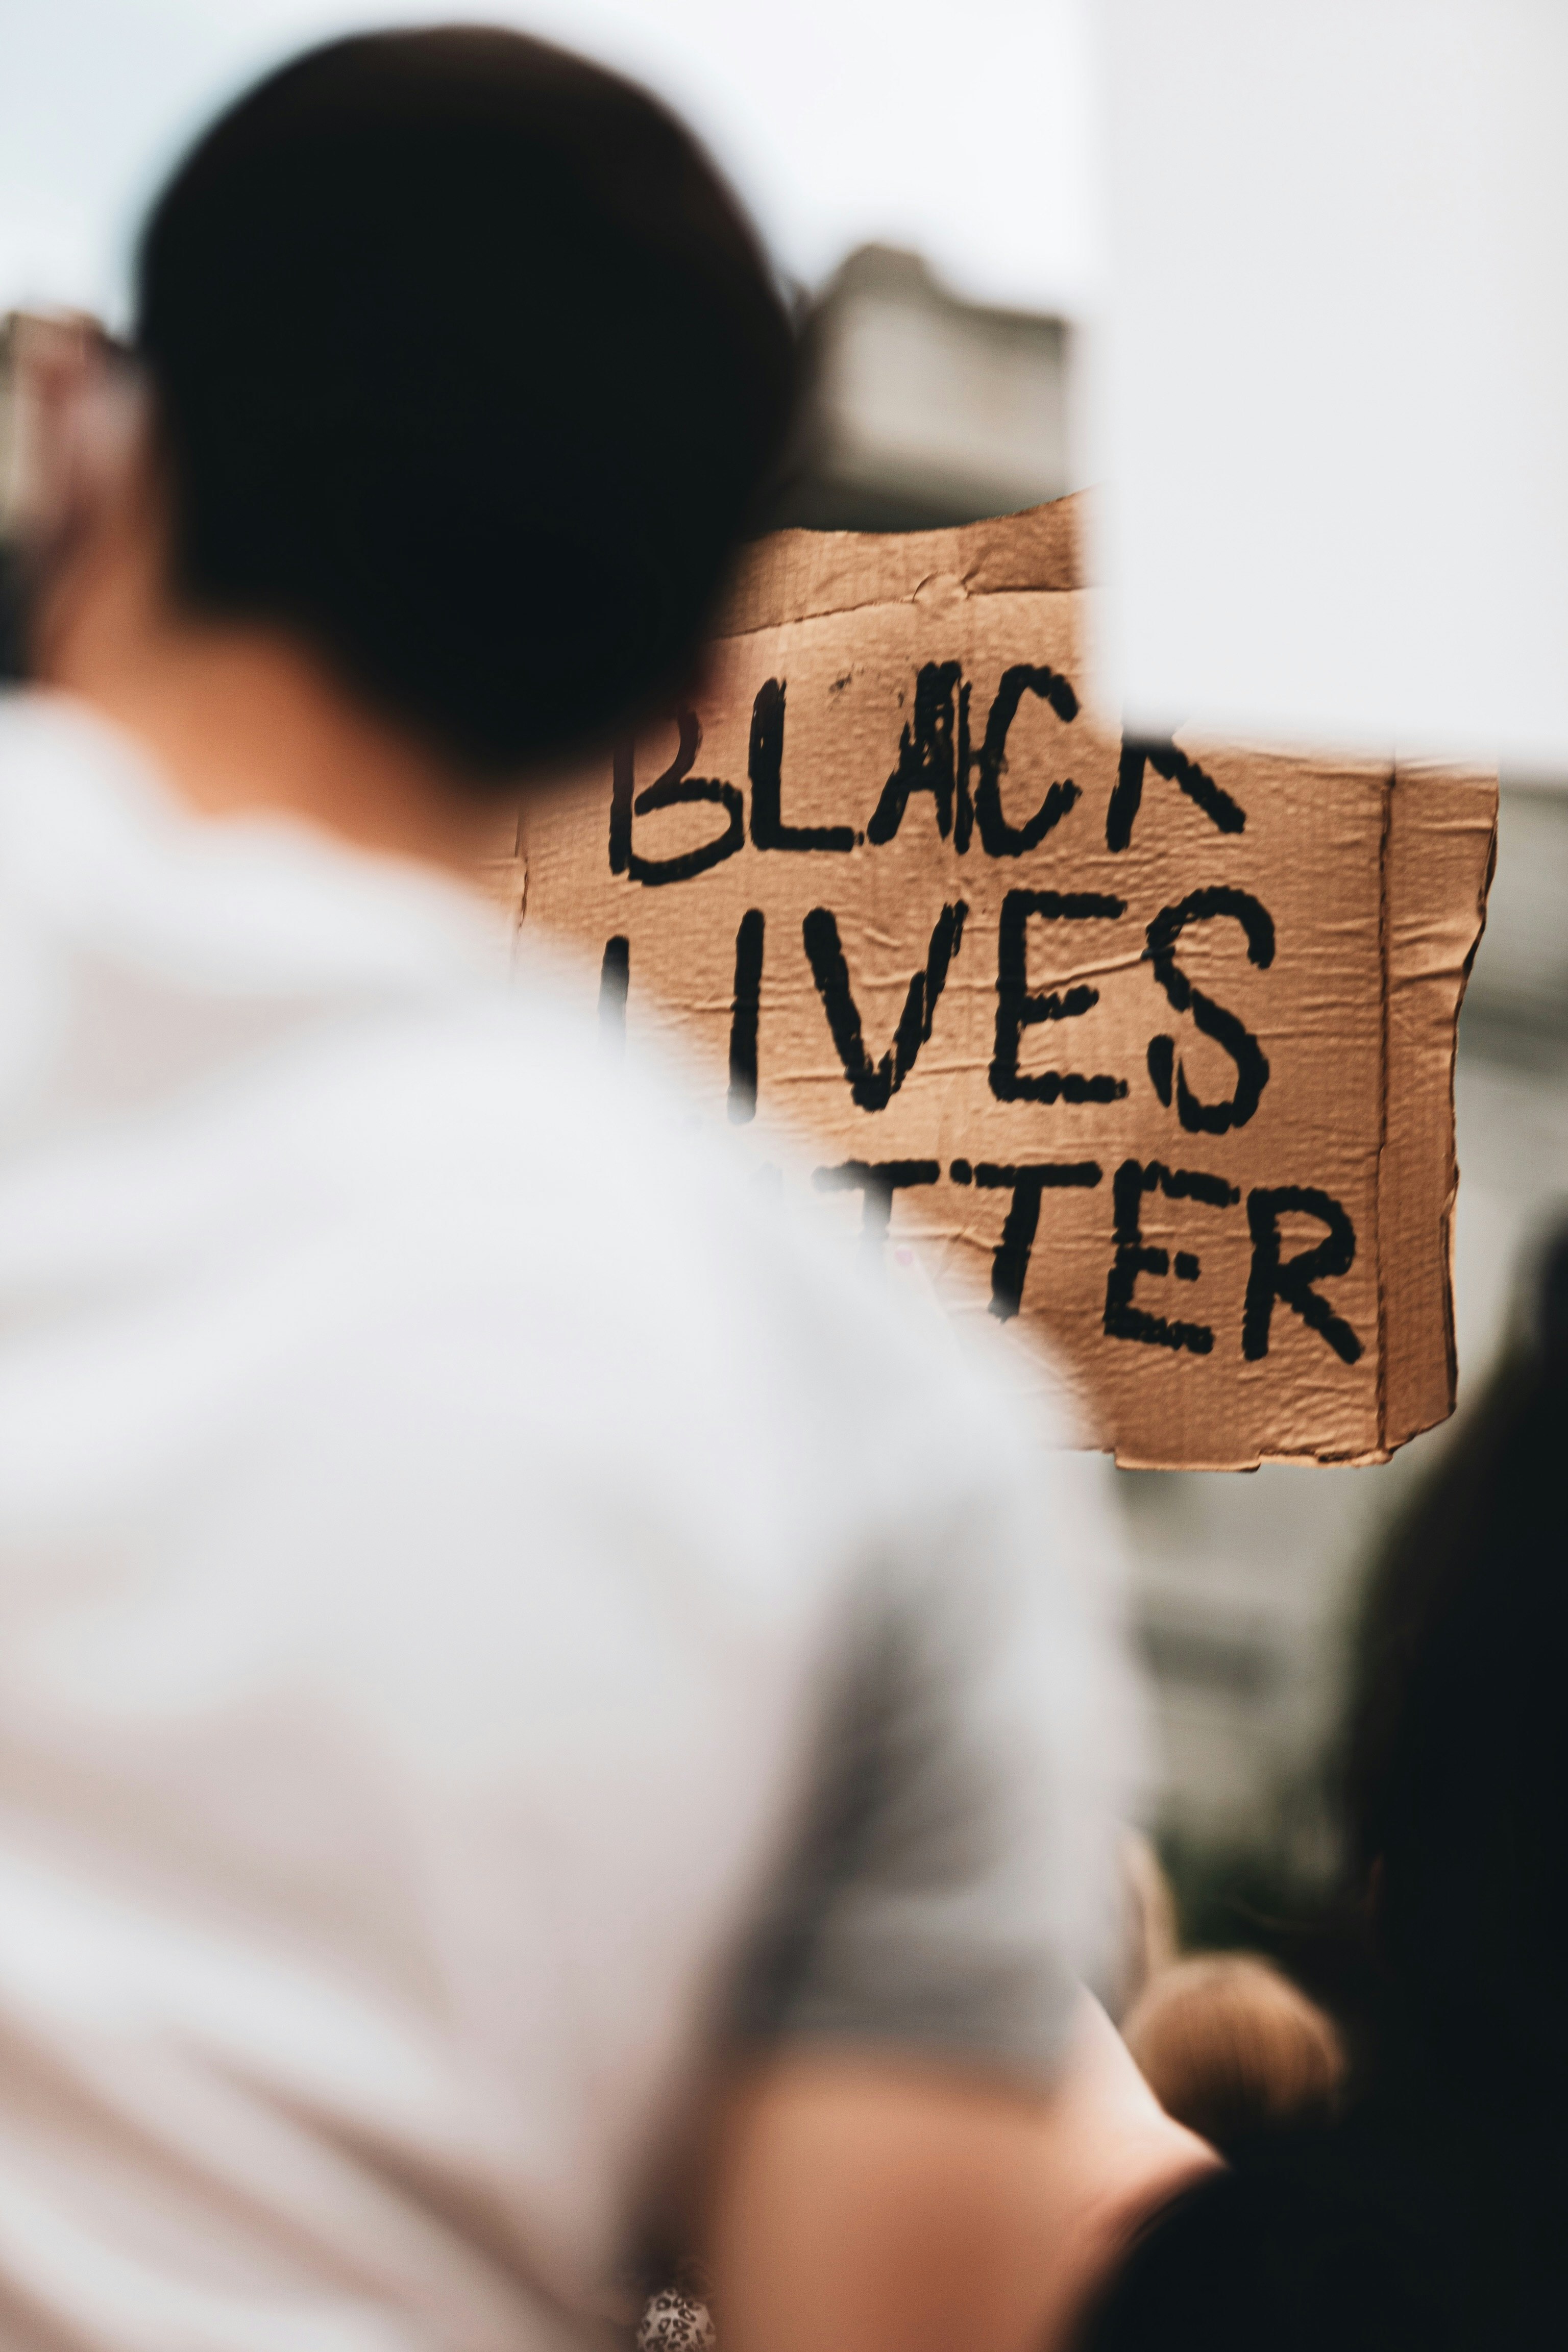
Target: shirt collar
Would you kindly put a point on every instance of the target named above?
(93, 837)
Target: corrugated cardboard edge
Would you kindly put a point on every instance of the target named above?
(804, 575)
(1439, 848)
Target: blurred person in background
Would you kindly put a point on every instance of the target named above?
(1274, 2258)
(1432, 2212)
(532, 1712)
(1234, 2049)
(1457, 1803)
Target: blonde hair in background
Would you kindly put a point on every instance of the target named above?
(1231, 2048)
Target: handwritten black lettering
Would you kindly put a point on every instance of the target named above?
(875, 1181)
(1017, 1009)
(1251, 1063)
(615, 973)
(1199, 786)
(1010, 1260)
(1135, 1255)
(765, 765)
(1291, 1278)
(873, 1088)
(676, 788)
(999, 838)
(926, 756)
(744, 1008)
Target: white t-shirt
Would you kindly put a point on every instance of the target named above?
(487, 1607)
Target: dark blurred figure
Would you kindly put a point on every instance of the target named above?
(1435, 2211)
(1458, 1806)
(1457, 1779)
(1266, 2261)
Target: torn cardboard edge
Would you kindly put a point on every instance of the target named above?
(810, 575)
(1434, 823)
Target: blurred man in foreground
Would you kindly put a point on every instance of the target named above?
(510, 1670)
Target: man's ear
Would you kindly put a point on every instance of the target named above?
(79, 464)
(68, 384)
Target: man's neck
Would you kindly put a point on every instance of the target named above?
(241, 719)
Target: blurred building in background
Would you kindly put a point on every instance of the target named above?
(924, 410)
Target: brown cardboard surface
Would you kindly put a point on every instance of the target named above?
(1298, 929)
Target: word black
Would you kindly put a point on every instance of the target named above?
(937, 754)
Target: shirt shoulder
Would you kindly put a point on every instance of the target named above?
(496, 1142)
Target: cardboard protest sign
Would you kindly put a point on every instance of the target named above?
(1149, 1044)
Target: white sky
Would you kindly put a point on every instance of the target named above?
(959, 126)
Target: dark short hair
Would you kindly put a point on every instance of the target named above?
(468, 371)
(1287, 2259)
